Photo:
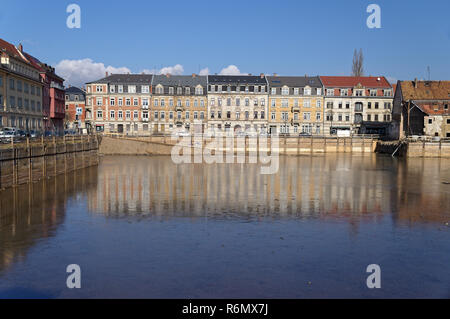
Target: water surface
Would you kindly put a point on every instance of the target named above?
(143, 227)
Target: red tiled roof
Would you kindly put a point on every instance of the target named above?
(12, 50)
(425, 90)
(352, 81)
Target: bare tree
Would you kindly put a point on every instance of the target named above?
(358, 63)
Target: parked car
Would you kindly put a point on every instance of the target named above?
(182, 134)
(9, 133)
(304, 134)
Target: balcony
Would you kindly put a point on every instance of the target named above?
(145, 120)
(179, 109)
(295, 109)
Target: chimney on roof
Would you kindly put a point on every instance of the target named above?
(194, 75)
(262, 75)
(415, 83)
(106, 74)
(20, 47)
(168, 75)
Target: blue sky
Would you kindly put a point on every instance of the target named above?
(285, 37)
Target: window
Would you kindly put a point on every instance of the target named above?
(187, 115)
(212, 115)
(145, 102)
(11, 84)
(163, 115)
(285, 91)
(373, 92)
(135, 115)
(255, 115)
(171, 90)
(273, 91)
(358, 92)
(171, 115)
(112, 115)
(99, 101)
(329, 117)
(307, 116)
(120, 102)
(99, 114)
(329, 105)
(344, 92)
(145, 89)
(330, 92)
(285, 103)
(112, 89)
(318, 116)
(196, 115)
(188, 103)
(156, 115)
(238, 102)
(319, 91)
(307, 91)
(179, 90)
(112, 102)
(19, 85)
(387, 105)
(307, 103)
(163, 102)
(272, 116)
(99, 89)
(263, 102)
(387, 92)
(296, 91)
(128, 115)
(430, 121)
(187, 91)
(128, 102)
(255, 102)
(199, 91)
(120, 89)
(212, 102)
(136, 102)
(263, 115)
(318, 103)
(131, 88)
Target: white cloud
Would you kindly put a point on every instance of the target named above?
(204, 71)
(177, 69)
(79, 72)
(231, 70)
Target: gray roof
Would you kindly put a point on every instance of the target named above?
(142, 79)
(294, 81)
(236, 80)
(74, 91)
(180, 80)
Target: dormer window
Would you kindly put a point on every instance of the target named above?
(296, 91)
(188, 91)
(358, 92)
(330, 92)
(120, 89)
(344, 92)
(131, 88)
(179, 90)
(373, 92)
(387, 92)
(307, 91)
(274, 91)
(171, 90)
(112, 89)
(199, 90)
(319, 91)
(145, 89)
(285, 90)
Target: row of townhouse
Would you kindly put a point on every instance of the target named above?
(31, 94)
(141, 104)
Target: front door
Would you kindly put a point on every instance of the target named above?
(120, 128)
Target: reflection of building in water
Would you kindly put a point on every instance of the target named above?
(330, 186)
(422, 194)
(31, 212)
